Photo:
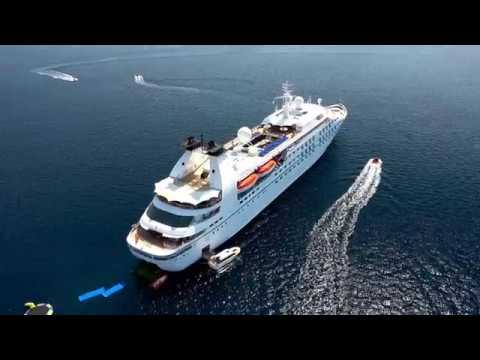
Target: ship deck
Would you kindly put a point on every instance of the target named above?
(152, 242)
(195, 181)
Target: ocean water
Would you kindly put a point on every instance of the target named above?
(79, 160)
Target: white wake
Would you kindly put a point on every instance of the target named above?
(52, 70)
(320, 288)
(141, 81)
(56, 75)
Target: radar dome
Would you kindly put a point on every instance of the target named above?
(299, 102)
(244, 135)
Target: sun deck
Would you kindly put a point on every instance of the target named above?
(263, 136)
(197, 180)
(191, 192)
(152, 242)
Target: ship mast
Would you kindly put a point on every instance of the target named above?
(287, 89)
(286, 99)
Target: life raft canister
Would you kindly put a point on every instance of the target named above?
(266, 168)
(247, 183)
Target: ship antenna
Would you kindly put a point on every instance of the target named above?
(287, 97)
(287, 88)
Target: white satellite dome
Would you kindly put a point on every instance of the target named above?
(299, 102)
(244, 135)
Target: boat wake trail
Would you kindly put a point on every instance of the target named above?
(56, 74)
(141, 81)
(52, 70)
(320, 288)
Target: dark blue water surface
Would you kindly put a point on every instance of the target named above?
(79, 160)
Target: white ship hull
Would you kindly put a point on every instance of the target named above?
(297, 162)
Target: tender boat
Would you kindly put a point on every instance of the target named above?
(38, 309)
(158, 283)
(223, 258)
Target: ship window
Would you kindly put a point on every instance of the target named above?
(209, 215)
(168, 218)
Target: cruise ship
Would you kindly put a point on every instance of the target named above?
(214, 190)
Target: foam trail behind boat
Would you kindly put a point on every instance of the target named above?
(52, 70)
(320, 288)
(141, 81)
(57, 75)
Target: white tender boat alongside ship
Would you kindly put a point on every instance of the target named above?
(223, 258)
(213, 191)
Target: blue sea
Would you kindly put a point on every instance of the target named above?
(78, 161)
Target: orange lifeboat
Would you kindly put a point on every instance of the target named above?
(247, 183)
(266, 168)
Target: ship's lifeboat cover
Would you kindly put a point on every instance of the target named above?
(247, 183)
(266, 168)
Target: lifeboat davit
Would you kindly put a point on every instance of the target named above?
(247, 183)
(266, 168)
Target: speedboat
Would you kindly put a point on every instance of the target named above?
(223, 258)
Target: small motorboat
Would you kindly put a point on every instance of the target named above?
(38, 309)
(138, 78)
(223, 258)
(151, 275)
(157, 284)
(376, 161)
